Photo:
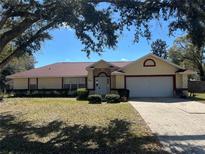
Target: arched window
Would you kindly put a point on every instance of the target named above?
(102, 74)
(149, 63)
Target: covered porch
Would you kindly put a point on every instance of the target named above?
(104, 77)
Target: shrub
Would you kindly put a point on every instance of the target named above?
(20, 93)
(82, 94)
(95, 98)
(180, 93)
(124, 94)
(112, 98)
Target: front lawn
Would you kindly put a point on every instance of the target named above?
(60, 125)
(199, 97)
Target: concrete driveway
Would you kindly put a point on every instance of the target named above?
(179, 124)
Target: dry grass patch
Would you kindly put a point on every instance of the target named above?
(199, 97)
(60, 125)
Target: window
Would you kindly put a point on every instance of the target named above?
(81, 86)
(66, 86)
(102, 74)
(33, 83)
(149, 63)
(74, 87)
(32, 86)
(74, 83)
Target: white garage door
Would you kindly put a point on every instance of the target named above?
(150, 86)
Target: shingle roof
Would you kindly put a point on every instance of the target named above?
(64, 69)
(186, 71)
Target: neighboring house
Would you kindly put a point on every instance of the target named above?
(149, 76)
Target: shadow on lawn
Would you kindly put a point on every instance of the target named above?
(116, 138)
(196, 98)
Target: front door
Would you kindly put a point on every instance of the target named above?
(102, 84)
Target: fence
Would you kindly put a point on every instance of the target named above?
(196, 86)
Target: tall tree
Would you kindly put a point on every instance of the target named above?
(185, 53)
(176, 56)
(159, 48)
(26, 23)
(18, 64)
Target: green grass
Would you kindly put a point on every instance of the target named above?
(199, 97)
(61, 125)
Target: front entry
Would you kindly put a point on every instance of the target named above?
(102, 84)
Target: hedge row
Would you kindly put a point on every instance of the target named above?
(43, 93)
(82, 94)
(109, 98)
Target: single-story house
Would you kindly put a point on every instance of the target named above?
(149, 76)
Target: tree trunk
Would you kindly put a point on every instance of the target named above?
(199, 54)
(201, 72)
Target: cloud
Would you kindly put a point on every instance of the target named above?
(123, 59)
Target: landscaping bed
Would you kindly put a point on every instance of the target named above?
(62, 125)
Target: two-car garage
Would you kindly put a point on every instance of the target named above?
(150, 86)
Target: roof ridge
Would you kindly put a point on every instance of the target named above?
(119, 61)
(90, 62)
(75, 62)
(58, 63)
(48, 65)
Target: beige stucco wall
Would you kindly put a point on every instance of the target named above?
(99, 67)
(49, 83)
(181, 81)
(184, 81)
(113, 82)
(90, 79)
(161, 68)
(119, 82)
(178, 81)
(20, 83)
(136, 68)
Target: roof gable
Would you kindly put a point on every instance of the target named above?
(150, 55)
(100, 63)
